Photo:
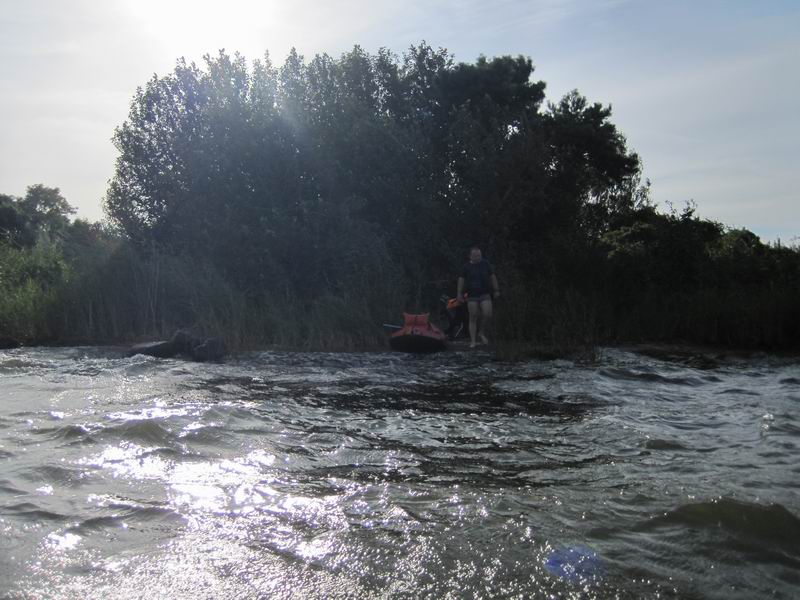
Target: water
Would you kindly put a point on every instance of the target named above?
(281, 475)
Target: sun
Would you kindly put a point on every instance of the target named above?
(192, 28)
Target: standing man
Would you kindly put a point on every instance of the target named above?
(479, 281)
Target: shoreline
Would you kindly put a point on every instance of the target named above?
(504, 351)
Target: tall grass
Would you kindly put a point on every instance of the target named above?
(133, 296)
(113, 293)
(30, 284)
(547, 320)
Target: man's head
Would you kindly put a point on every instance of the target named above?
(475, 254)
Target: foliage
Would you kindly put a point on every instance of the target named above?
(30, 279)
(306, 204)
(41, 215)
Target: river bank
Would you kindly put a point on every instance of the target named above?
(512, 351)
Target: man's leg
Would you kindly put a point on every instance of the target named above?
(486, 316)
(474, 311)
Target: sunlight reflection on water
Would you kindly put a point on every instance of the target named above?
(325, 476)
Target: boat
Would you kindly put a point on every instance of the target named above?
(418, 334)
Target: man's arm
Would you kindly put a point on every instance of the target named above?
(460, 288)
(495, 286)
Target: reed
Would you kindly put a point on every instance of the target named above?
(115, 293)
(30, 280)
(131, 296)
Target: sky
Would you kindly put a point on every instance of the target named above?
(705, 91)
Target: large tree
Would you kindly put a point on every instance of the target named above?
(274, 170)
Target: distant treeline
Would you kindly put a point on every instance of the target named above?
(306, 204)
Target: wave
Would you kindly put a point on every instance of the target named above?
(659, 444)
(14, 364)
(32, 512)
(22, 365)
(68, 433)
(149, 432)
(147, 514)
(739, 392)
(57, 474)
(6, 487)
(769, 524)
(629, 375)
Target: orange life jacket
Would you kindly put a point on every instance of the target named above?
(455, 302)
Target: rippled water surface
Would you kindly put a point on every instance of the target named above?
(282, 475)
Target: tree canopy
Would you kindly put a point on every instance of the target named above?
(42, 213)
(416, 156)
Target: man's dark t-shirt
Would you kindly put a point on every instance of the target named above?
(477, 278)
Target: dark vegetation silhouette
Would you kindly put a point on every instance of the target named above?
(306, 204)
